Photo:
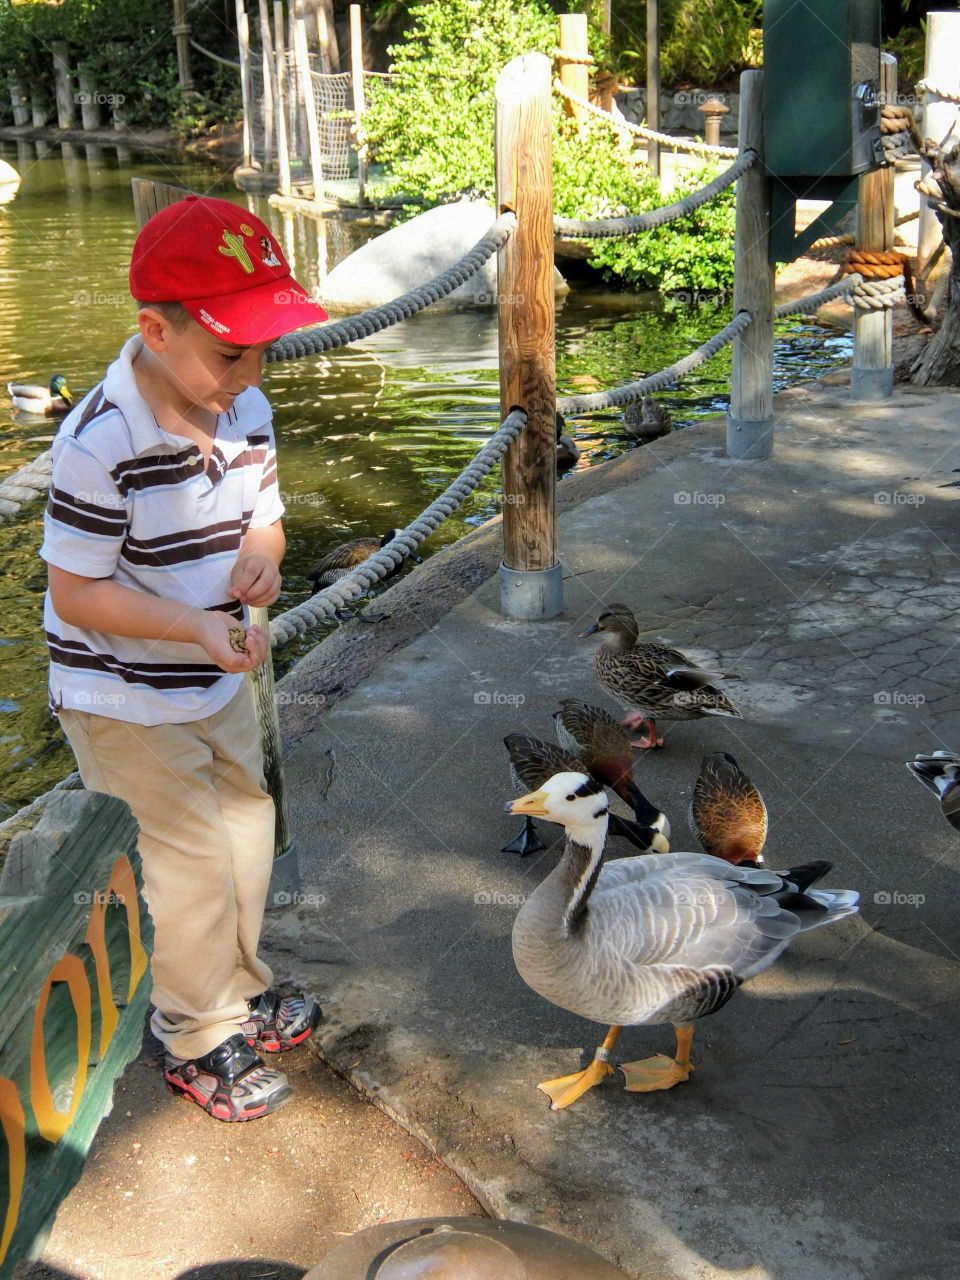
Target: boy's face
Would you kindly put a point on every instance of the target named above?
(201, 368)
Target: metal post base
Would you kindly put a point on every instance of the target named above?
(749, 440)
(284, 880)
(871, 384)
(530, 595)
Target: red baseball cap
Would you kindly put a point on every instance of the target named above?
(225, 266)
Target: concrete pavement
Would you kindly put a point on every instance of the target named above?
(815, 1140)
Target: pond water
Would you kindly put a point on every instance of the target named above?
(367, 435)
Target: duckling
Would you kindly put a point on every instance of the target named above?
(727, 813)
(44, 402)
(532, 761)
(664, 683)
(643, 941)
(940, 773)
(567, 451)
(647, 420)
(603, 749)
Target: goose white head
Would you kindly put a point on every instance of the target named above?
(575, 801)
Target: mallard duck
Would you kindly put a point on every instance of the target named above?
(940, 773)
(727, 813)
(662, 682)
(347, 556)
(642, 941)
(567, 451)
(533, 761)
(603, 749)
(647, 420)
(44, 402)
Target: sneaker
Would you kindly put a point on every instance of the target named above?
(278, 1023)
(231, 1082)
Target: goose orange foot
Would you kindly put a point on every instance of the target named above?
(567, 1089)
(650, 1075)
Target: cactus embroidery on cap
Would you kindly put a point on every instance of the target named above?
(233, 247)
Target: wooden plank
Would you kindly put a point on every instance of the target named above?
(246, 86)
(750, 422)
(872, 374)
(283, 88)
(574, 76)
(941, 117)
(305, 76)
(653, 81)
(269, 83)
(525, 308)
(75, 939)
(359, 98)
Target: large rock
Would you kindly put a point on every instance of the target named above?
(414, 253)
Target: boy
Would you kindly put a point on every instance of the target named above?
(162, 526)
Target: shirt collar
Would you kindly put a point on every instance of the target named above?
(120, 388)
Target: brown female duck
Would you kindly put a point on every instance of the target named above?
(727, 813)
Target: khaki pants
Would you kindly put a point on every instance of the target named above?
(206, 844)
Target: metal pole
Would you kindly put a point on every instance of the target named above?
(750, 419)
(531, 578)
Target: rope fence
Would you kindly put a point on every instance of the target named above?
(641, 131)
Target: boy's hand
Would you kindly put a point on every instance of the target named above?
(255, 580)
(214, 634)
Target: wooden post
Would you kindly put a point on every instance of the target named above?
(181, 32)
(305, 76)
(148, 199)
(574, 76)
(89, 107)
(359, 100)
(872, 375)
(280, 109)
(269, 84)
(327, 37)
(246, 88)
(940, 116)
(19, 100)
(531, 578)
(653, 82)
(66, 109)
(750, 419)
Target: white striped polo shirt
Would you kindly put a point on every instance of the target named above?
(133, 502)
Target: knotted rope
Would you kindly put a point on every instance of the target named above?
(631, 225)
(832, 242)
(641, 131)
(29, 482)
(327, 337)
(324, 605)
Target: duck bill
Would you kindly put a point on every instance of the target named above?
(66, 393)
(591, 631)
(533, 805)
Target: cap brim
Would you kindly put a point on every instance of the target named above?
(261, 314)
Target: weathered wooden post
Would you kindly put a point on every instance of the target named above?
(89, 106)
(327, 37)
(574, 70)
(246, 87)
(531, 578)
(309, 98)
(66, 107)
(19, 99)
(872, 375)
(750, 419)
(359, 98)
(269, 84)
(181, 33)
(941, 115)
(148, 199)
(280, 114)
(653, 82)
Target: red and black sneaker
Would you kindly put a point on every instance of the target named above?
(231, 1082)
(278, 1023)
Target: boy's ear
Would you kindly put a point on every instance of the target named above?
(154, 327)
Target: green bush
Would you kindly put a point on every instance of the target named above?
(704, 42)
(432, 129)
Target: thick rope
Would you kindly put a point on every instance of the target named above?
(327, 337)
(833, 242)
(874, 264)
(568, 55)
(29, 482)
(324, 605)
(632, 225)
(641, 131)
(227, 62)
(632, 392)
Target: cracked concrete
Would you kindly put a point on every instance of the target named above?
(814, 1141)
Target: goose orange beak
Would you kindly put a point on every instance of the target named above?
(533, 804)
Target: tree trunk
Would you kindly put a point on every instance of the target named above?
(939, 365)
